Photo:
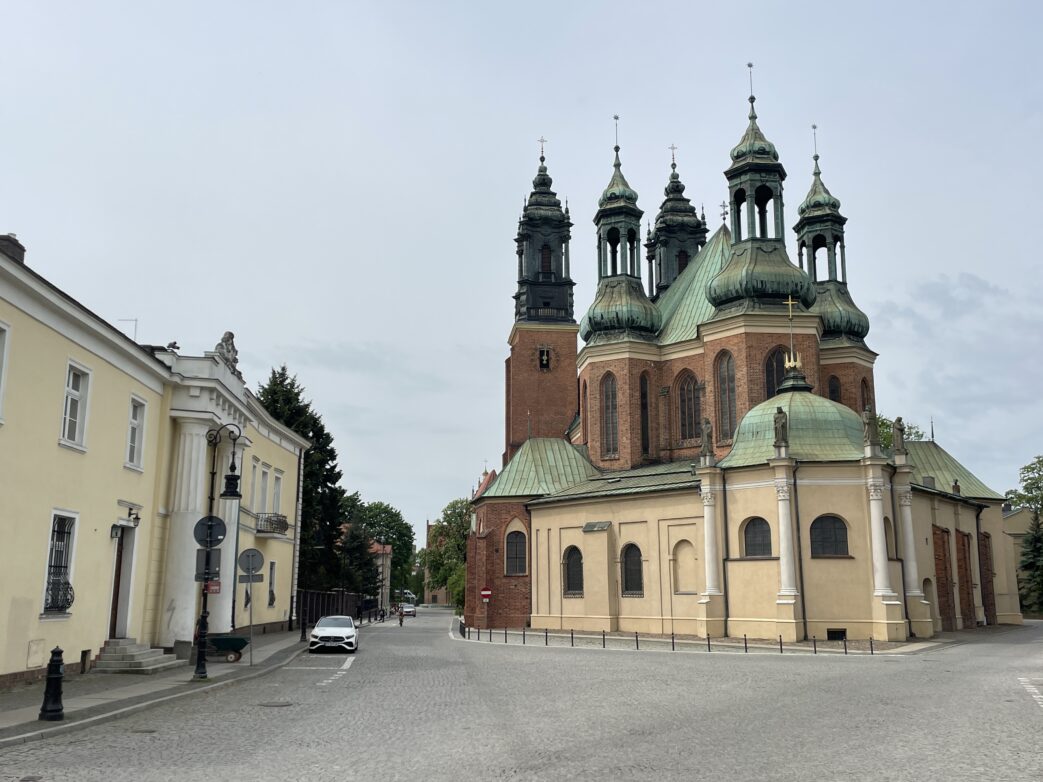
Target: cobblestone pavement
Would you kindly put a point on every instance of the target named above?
(414, 704)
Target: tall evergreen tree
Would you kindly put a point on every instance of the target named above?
(1030, 495)
(323, 501)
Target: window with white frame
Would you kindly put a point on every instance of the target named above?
(3, 365)
(58, 594)
(74, 420)
(135, 432)
(253, 487)
(263, 508)
(277, 493)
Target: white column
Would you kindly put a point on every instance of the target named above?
(713, 583)
(188, 492)
(912, 575)
(881, 577)
(787, 568)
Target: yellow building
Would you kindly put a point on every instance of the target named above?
(105, 470)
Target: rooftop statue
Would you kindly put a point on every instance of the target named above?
(898, 435)
(781, 428)
(707, 449)
(870, 430)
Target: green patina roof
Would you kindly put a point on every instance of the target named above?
(760, 270)
(819, 431)
(620, 304)
(818, 198)
(840, 315)
(684, 304)
(640, 480)
(753, 142)
(618, 189)
(928, 458)
(543, 465)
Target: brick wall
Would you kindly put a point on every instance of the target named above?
(539, 402)
(511, 602)
(850, 375)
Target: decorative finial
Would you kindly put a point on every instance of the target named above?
(542, 141)
(724, 211)
(932, 428)
(753, 113)
(673, 155)
(814, 138)
(616, 118)
(790, 301)
(702, 213)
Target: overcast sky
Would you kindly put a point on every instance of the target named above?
(339, 184)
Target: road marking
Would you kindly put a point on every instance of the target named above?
(340, 672)
(308, 668)
(347, 663)
(1032, 690)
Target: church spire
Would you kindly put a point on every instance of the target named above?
(678, 234)
(618, 222)
(544, 277)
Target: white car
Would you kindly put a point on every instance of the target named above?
(334, 632)
(408, 609)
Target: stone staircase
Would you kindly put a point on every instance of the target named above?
(126, 655)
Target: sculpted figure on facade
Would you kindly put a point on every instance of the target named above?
(870, 430)
(781, 428)
(707, 448)
(898, 435)
(228, 352)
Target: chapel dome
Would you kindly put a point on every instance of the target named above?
(760, 271)
(819, 430)
(840, 316)
(818, 197)
(620, 304)
(753, 142)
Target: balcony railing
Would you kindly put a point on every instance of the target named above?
(272, 524)
(60, 595)
(547, 313)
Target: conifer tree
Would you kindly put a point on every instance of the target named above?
(1030, 496)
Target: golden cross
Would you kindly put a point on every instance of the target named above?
(789, 303)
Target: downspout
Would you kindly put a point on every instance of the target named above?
(800, 552)
(901, 560)
(724, 564)
(294, 608)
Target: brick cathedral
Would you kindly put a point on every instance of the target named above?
(614, 455)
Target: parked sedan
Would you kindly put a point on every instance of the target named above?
(408, 609)
(334, 632)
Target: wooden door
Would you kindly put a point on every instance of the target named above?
(988, 587)
(117, 575)
(943, 579)
(966, 584)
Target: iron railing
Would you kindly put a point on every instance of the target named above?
(60, 594)
(272, 523)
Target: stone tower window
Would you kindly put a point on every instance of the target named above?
(515, 565)
(544, 358)
(689, 413)
(645, 433)
(867, 396)
(834, 388)
(756, 538)
(725, 396)
(545, 259)
(682, 262)
(774, 371)
(609, 418)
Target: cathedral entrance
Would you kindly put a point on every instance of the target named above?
(943, 578)
(963, 572)
(988, 588)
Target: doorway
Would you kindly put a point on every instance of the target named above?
(122, 576)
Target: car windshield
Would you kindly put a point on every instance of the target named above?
(335, 621)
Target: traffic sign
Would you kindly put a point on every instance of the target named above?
(251, 578)
(487, 593)
(210, 531)
(208, 565)
(251, 560)
(213, 587)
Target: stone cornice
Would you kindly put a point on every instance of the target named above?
(535, 326)
(804, 323)
(846, 354)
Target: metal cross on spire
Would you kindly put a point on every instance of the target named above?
(724, 211)
(750, 66)
(673, 155)
(616, 118)
(790, 301)
(814, 138)
(542, 141)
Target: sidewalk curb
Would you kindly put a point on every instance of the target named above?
(97, 719)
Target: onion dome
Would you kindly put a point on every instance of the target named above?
(819, 430)
(840, 317)
(677, 210)
(819, 199)
(618, 190)
(543, 202)
(621, 307)
(753, 143)
(761, 272)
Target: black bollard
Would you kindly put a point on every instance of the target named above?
(871, 644)
(544, 636)
(52, 709)
(636, 644)
(523, 636)
(602, 639)
(505, 635)
(572, 637)
(304, 626)
(814, 645)
(708, 643)
(845, 644)
(745, 645)
(672, 647)
(780, 644)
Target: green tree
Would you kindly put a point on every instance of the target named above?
(382, 522)
(322, 499)
(457, 584)
(886, 427)
(360, 569)
(448, 549)
(1030, 496)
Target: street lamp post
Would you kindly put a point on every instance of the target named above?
(230, 492)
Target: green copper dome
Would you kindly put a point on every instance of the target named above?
(677, 210)
(618, 190)
(760, 271)
(840, 316)
(819, 430)
(620, 305)
(543, 202)
(753, 143)
(818, 198)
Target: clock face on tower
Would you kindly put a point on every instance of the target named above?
(544, 358)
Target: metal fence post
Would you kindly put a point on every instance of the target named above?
(544, 636)
(845, 643)
(745, 645)
(780, 644)
(572, 637)
(636, 644)
(814, 645)
(523, 636)
(871, 644)
(505, 635)
(602, 639)
(708, 644)
(673, 648)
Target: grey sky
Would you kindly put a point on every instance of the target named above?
(339, 184)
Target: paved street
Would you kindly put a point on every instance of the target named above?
(414, 704)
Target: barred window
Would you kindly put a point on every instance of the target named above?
(515, 554)
(756, 538)
(689, 412)
(774, 371)
(828, 537)
(609, 418)
(725, 396)
(633, 582)
(573, 572)
(59, 595)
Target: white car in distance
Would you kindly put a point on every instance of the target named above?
(334, 632)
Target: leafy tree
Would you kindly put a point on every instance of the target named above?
(1030, 496)
(457, 584)
(360, 570)
(445, 558)
(322, 499)
(886, 427)
(382, 522)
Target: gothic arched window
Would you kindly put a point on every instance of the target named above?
(834, 388)
(573, 575)
(774, 371)
(633, 581)
(689, 414)
(515, 565)
(646, 438)
(867, 397)
(609, 417)
(828, 537)
(725, 396)
(756, 538)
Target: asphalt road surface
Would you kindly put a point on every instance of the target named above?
(415, 704)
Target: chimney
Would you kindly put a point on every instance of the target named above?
(12, 248)
(928, 481)
(956, 486)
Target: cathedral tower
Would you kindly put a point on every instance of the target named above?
(541, 370)
(678, 235)
(846, 363)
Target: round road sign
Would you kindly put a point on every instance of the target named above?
(487, 593)
(251, 560)
(209, 531)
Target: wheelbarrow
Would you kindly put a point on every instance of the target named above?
(230, 647)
